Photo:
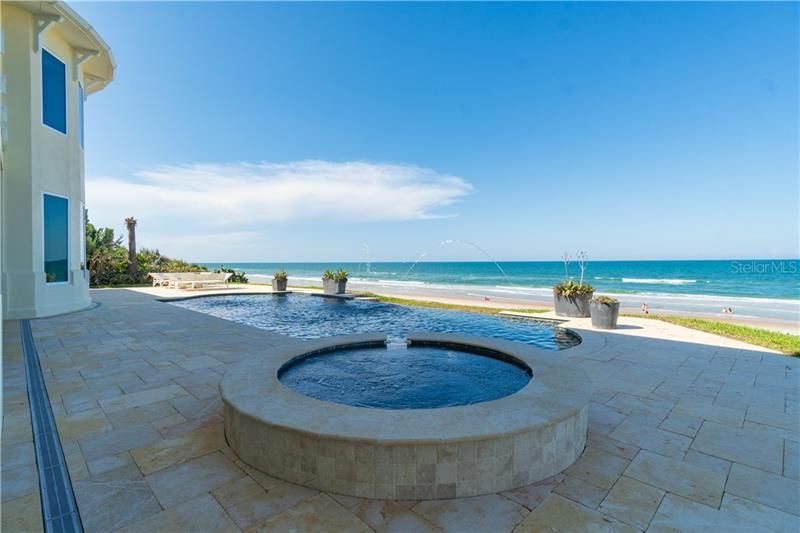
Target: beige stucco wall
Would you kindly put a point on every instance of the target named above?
(2, 167)
(38, 160)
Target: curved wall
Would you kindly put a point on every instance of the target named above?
(415, 453)
(38, 160)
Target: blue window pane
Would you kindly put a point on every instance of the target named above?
(54, 92)
(80, 113)
(56, 239)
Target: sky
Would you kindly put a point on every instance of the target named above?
(318, 132)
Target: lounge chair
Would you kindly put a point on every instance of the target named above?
(195, 280)
(159, 279)
(176, 280)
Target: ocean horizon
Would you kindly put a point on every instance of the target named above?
(757, 278)
(757, 288)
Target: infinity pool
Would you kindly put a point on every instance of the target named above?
(309, 317)
(396, 377)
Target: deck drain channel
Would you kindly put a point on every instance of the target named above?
(59, 509)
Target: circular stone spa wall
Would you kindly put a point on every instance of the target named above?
(408, 453)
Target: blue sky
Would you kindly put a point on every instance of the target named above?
(280, 132)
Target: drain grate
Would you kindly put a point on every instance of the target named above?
(59, 509)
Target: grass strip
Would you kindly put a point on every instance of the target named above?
(121, 285)
(450, 307)
(775, 340)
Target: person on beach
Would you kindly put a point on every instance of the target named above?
(645, 309)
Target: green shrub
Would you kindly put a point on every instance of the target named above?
(280, 275)
(236, 277)
(572, 289)
(606, 300)
(340, 276)
(107, 260)
(151, 260)
(328, 275)
(569, 288)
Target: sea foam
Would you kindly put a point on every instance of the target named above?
(659, 281)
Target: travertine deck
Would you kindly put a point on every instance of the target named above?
(687, 431)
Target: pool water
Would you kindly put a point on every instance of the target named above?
(308, 317)
(396, 377)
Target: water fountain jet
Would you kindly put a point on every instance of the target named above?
(484, 252)
(415, 263)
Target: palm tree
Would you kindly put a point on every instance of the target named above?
(131, 223)
(102, 254)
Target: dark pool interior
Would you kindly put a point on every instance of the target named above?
(400, 377)
(309, 317)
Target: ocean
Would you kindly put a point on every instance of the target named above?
(761, 288)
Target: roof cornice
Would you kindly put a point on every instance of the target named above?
(90, 49)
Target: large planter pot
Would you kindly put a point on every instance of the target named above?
(604, 315)
(279, 285)
(577, 307)
(329, 286)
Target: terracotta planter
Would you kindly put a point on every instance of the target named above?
(576, 307)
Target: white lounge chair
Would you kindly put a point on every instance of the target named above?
(195, 280)
(176, 280)
(159, 279)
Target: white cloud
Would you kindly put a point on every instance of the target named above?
(192, 198)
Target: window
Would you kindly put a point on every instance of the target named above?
(54, 92)
(80, 114)
(56, 239)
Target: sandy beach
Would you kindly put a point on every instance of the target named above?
(508, 303)
(501, 302)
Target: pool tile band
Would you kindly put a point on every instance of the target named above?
(59, 508)
(471, 348)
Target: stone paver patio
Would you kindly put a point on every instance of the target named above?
(687, 431)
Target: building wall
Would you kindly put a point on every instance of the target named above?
(2, 170)
(38, 160)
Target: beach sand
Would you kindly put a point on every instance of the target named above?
(510, 303)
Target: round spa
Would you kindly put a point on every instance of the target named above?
(447, 416)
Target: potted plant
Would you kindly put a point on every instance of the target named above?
(334, 282)
(279, 281)
(329, 282)
(341, 281)
(572, 298)
(605, 312)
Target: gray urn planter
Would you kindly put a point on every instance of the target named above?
(330, 286)
(577, 307)
(604, 316)
(279, 285)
